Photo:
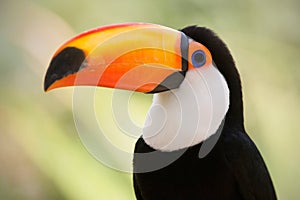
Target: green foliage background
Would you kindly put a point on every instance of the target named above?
(41, 156)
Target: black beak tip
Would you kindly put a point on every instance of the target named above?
(49, 80)
(46, 85)
(69, 61)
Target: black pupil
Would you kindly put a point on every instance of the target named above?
(199, 58)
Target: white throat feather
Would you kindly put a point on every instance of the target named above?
(188, 115)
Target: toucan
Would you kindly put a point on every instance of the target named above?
(193, 144)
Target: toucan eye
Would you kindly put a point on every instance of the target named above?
(198, 58)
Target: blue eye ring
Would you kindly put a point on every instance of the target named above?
(198, 58)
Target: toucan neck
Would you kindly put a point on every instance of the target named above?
(235, 115)
(226, 65)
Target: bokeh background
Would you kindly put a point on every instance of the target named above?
(41, 155)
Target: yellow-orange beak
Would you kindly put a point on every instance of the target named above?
(134, 56)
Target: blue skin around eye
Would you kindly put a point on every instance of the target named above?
(196, 62)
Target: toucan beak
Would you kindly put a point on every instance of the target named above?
(137, 56)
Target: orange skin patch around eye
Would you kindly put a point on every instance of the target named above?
(194, 46)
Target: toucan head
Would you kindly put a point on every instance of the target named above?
(152, 58)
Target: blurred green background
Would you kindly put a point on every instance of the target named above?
(41, 156)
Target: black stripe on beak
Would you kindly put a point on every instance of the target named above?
(174, 80)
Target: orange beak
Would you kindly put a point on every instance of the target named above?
(137, 56)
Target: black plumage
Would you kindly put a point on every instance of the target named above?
(234, 169)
